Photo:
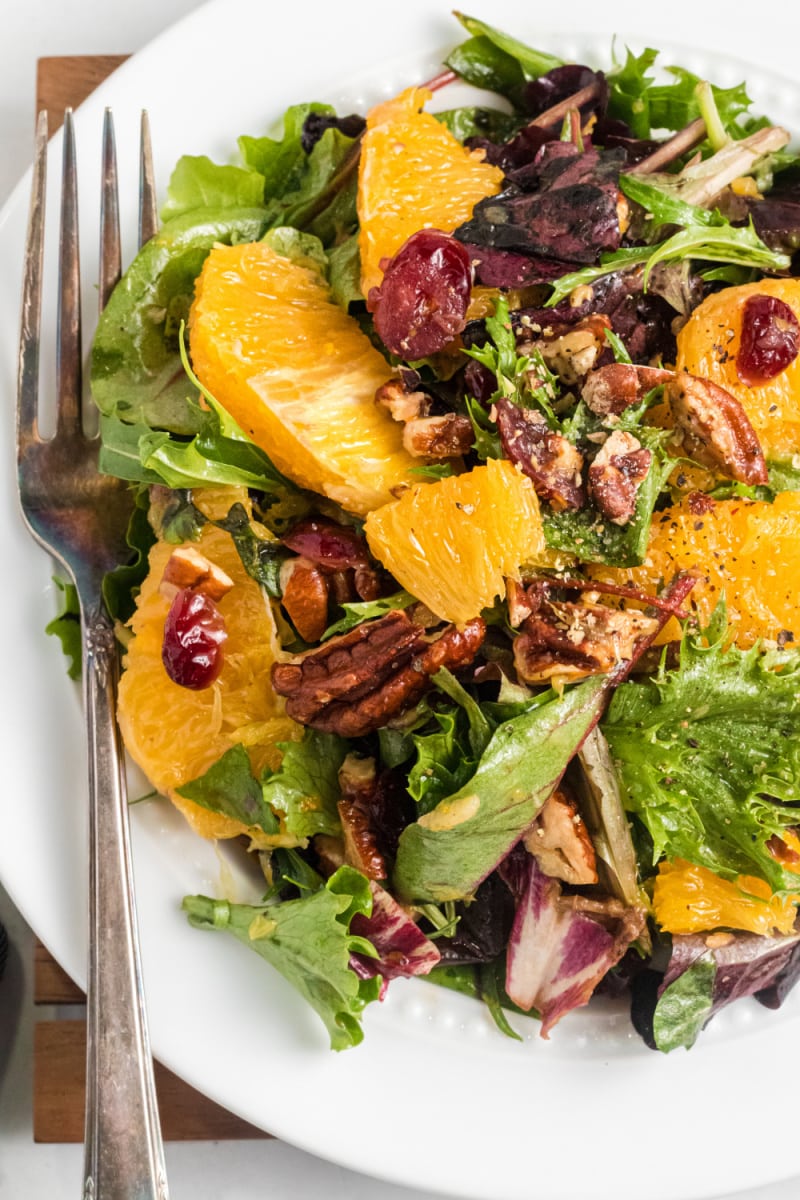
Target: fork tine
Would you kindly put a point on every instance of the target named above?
(68, 359)
(148, 212)
(28, 366)
(110, 245)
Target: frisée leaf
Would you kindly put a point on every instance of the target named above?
(708, 752)
(310, 943)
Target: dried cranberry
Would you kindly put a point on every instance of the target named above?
(769, 342)
(330, 546)
(194, 633)
(421, 304)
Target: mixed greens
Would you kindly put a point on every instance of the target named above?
(506, 826)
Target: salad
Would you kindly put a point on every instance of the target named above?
(463, 447)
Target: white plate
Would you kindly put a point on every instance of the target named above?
(434, 1097)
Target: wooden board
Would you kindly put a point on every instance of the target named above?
(59, 1047)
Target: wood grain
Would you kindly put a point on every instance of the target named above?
(65, 82)
(59, 1047)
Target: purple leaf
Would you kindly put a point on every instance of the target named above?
(563, 205)
(402, 947)
(561, 948)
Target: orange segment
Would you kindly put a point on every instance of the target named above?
(413, 174)
(297, 373)
(175, 734)
(708, 345)
(453, 543)
(748, 549)
(692, 899)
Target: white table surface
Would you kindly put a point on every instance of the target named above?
(198, 1171)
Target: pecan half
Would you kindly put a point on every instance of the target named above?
(715, 429)
(403, 403)
(611, 389)
(355, 683)
(560, 841)
(305, 597)
(357, 781)
(546, 457)
(619, 469)
(569, 641)
(448, 436)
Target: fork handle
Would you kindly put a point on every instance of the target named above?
(123, 1152)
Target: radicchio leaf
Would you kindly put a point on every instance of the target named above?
(558, 954)
(402, 948)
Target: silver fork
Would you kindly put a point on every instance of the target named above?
(80, 517)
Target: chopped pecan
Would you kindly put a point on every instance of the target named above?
(570, 641)
(560, 841)
(367, 582)
(355, 683)
(448, 436)
(546, 457)
(715, 429)
(611, 389)
(343, 588)
(403, 403)
(305, 597)
(571, 352)
(519, 603)
(618, 471)
(188, 568)
(357, 781)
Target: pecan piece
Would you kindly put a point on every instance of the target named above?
(571, 352)
(448, 436)
(356, 683)
(188, 568)
(618, 471)
(569, 641)
(560, 841)
(403, 403)
(546, 457)
(715, 428)
(357, 781)
(611, 389)
(305, 597)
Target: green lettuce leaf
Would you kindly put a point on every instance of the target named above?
(305, 788)
(628, 85)
(532, 63)
(475, 121)
(344, 272)
(66, 625)
(684, 1007)
(136, 371)
(309, 942)
(121, 585)
(281, 161)
(302, 248)
(448, 851)
(708, 754)
(229, 787)
(197, 182)
(444, 761)
(724, 243)
(297, 799)
(366, 610)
